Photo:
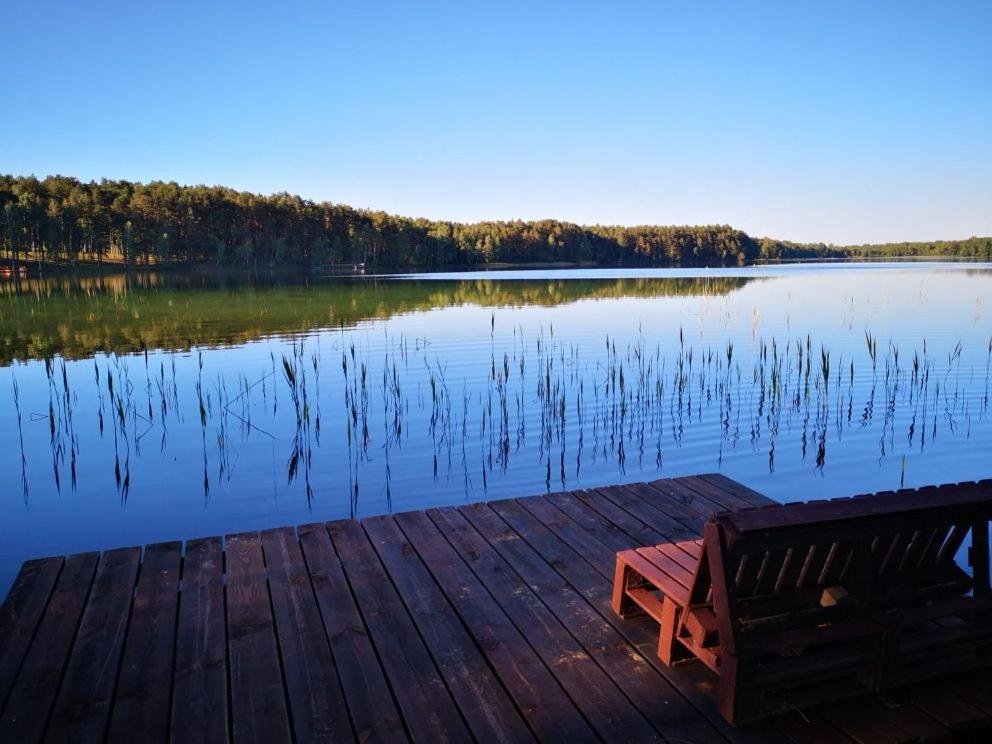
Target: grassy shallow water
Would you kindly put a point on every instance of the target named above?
(155, 407)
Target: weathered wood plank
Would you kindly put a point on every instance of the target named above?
(867, 721)
(624, 520)
(549, 711)
(367, 694)
(82, 708)
(675, 491)
(480, 697)
(199, 692)
(26, 712)
(21, 614)
(659, 702)
(316, 701)
(424, 700)
(942, 704)
(672, 529)
(141, 705)
(592, 522)
(674, 504)
(749, 495)
(597, 525)
(975, 689)
(567, 530)
(606, 708)
(258, 699)
(808, 727)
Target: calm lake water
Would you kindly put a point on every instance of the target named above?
(158, 407)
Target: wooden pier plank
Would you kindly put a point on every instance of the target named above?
(258, 702)
(594, 692)
(598, 526)
(20, 614)
(27, 710)
(731, 496)
(944, 706)
(660, 703)
(425, 703)
(367, 694)
(974, 688)
(591, 521)
(199, 682)
(670, 528)
(316, 701)
(479, 695)
(141, 705)
(622, 519)
(552, 715)
(567, 530)
(868, 721)
(82, 708)
(669, 502)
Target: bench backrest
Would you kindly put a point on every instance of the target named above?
(808, 563)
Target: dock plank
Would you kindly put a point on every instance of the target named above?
(547, 708)
(660, 703)
(258, 701)
(20, 614)
(27, 710)
(480, 697)
(868, 721)
(604, 705)
(425, 703)
(317, 705)
(82, 708)
(367, 694)
(670, 528)
(141, 706)
(199, 682)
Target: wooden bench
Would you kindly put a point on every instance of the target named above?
(795, 604)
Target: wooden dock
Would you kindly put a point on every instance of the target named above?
(487, 622)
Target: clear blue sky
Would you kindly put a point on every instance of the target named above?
(834, 121)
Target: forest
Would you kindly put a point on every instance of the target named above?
(62, 220)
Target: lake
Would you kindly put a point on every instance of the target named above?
(166, 406)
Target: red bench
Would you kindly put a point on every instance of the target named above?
(795, 604)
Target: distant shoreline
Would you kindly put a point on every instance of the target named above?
(42, 269)
(62, 220)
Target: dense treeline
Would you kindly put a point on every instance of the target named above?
(63, 220)
(968, 248)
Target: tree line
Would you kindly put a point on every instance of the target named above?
(63, 220)
(977, 248)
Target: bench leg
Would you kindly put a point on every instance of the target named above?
(623, 605)
(877, 679)
(670, 649)
(735, 705)
(979, 559)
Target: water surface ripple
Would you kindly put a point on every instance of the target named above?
(159, 407)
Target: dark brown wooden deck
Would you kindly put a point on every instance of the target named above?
(488, 621)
